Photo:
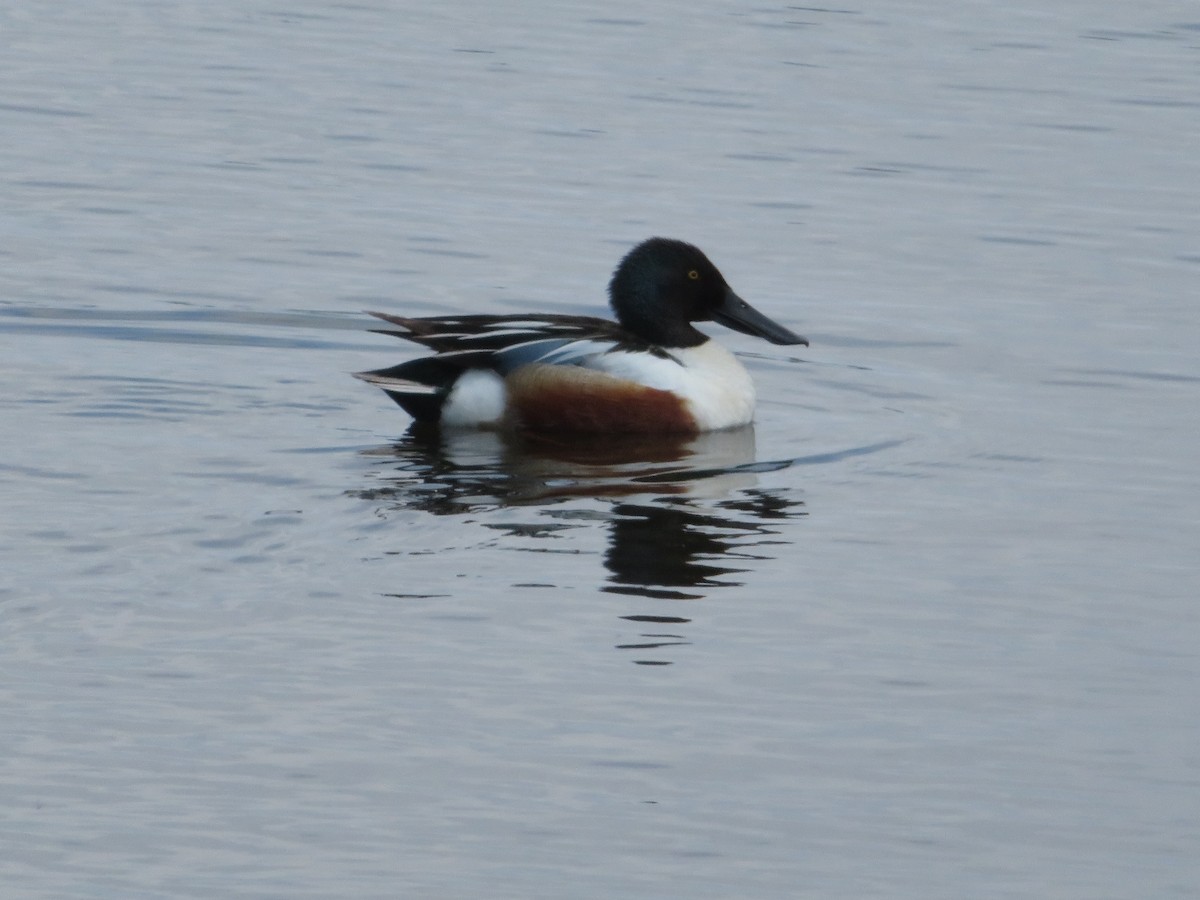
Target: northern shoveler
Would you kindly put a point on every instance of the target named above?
(651, 371)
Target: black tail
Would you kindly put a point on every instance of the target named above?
(419, 386)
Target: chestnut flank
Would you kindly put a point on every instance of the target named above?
(571, 398)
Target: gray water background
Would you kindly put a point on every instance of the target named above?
(929, 630)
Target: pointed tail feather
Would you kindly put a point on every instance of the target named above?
(391, 383)
(419, 386)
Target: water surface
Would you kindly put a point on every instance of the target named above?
(926, 630)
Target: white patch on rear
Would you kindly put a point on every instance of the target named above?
(715, 386)
(476, 400)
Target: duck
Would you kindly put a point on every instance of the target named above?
(649, 372)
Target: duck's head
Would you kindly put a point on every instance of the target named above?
(663, 285)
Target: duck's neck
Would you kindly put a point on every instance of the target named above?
(643, 317)
(669, 335)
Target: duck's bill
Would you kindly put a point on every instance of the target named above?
(736, 313)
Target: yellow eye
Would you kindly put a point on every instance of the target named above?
(694, 275)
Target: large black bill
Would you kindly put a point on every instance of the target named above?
(736, 313)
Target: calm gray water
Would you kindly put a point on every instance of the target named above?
(928, 630)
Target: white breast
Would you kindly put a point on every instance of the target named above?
(716, 387)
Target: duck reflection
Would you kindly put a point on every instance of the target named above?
(448, 473)
(656, 640)
(687, 515)
(657, 549)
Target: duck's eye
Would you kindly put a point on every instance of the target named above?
(694, 275)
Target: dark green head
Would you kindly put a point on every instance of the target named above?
(663, 285)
